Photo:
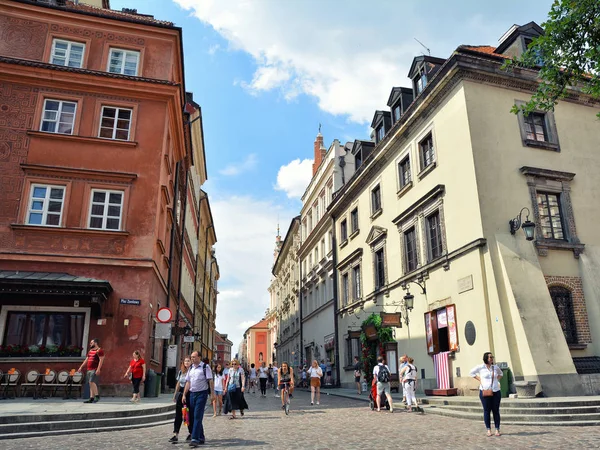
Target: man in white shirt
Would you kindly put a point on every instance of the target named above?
(381, 376)
(199, 382)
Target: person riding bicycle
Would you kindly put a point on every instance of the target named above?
(285, 375)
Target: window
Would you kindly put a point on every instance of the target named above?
(420, 81)
(67, 53)
(410, 250)
(58, 117)
(426, 151)
(434, 236)
(441, 330)
(345, 289)
(344, 230)
(310, 224)
(380, 133)
(397, 113)
(550, 215)
(317, 215)
(376, 199)
(124, 62)
(316, 254)
(352, 347)
(115, 123)
(404, 172)
(354, 220)
(323, 248)
(106, 209)
(535, 127)
(563, 304)
(45, 205)
(356, 282)
(310, 264)
(379, 269)
(44, 328)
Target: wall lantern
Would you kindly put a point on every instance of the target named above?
(528, 226)
(409, 301)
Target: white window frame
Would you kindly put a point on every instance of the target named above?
(125, 53)
(46, 200)
(57, 122)
(106, 204)
(68, 53)
(117, 109)
(17, 308)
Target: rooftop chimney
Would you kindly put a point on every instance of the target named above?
(320, 151)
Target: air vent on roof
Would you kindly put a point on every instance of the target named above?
(129, 10)
(53, 2)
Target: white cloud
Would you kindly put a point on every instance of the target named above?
(294, 177)
(213, 49)
(244, 166)
(246, 229)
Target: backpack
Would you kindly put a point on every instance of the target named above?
(383, 376)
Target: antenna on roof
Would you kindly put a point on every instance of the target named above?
(423, 45)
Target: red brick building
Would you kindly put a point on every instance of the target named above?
(222, 348)
(92, 126)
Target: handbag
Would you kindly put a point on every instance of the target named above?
(489, 392)
(231, 387)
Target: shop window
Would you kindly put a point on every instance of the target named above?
(352, 347)
(441, 330)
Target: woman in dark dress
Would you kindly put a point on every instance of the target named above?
(234, 398)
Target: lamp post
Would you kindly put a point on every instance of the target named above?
(407, 306)
(527, 226)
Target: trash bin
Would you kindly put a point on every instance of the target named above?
(158, 380)
(505, 382)
(150, 384)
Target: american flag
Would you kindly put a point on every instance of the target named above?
(442, 372)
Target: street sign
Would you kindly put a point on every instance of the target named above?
(162, 331)
(172, 356)
(164, 315)
(130, 301)
(188, 339)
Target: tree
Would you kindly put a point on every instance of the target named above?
(567, 54)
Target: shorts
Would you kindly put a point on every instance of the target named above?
(315, 382)
(281, 386)
(136, 384)
(357, 379)
(383, 387)
(91, 377)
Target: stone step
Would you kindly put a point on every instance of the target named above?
(509, 402)
(53, 427)
(527, 411)
(522, 419)
(29, 434)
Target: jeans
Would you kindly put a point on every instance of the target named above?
(275, 382)
(198, 402)
(491, 404)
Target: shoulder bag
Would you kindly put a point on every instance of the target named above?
(489, 392)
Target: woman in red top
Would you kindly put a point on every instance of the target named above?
(137, 368)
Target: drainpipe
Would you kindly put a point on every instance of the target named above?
(210, 293)
(199, 216)
(183, 216)
(163, 381)
(204, 285)
(301, 311)
(335, 304)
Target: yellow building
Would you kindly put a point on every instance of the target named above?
(428, 212)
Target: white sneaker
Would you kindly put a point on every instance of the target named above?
(311, 403)
(317, 403)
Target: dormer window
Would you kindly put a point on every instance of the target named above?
(397, 113)
(380, 133)
(422, 71)
(420, 80)
(382, 122)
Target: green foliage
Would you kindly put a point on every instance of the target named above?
(568, 54)
(370, 350)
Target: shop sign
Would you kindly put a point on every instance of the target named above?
(370, 332)
(188, 339)
(390, 319)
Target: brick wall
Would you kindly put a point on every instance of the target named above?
(581, 317)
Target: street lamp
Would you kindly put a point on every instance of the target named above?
(408, 305)
(528, 226)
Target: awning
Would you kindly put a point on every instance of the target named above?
(52, 283)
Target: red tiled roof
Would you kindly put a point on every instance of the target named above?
(485, 49)
(262, 324)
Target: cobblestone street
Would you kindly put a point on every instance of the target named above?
(335, 424)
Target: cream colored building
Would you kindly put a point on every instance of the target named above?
(331, 168)
(284, 291)
(432, 204)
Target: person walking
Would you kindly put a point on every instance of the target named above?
(178, 400)
(489, 375)
(275, 381)
(323, 367)
(94, 361)
(328, 377)
(263, 376)
(252, 378)
(357, 373)
(408, 375)
(234, 398)
(199, 382)
(219, 386)
(270, 377)
(137, 369)
(315, 373)
(381, 376)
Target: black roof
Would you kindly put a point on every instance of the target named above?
(51, 282)
(379, 116)
(396, 93)
(424, 58)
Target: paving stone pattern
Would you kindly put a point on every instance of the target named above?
(337, 423)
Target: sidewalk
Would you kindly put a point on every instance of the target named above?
(351, 393)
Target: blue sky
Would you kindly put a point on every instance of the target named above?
(267, 72)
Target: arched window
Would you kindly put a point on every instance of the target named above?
(563, 304)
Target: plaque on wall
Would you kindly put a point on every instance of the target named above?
(465, 284)
(470, 333)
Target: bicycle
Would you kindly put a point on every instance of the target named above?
(286, 398)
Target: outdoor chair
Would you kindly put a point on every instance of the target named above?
(31, 381)
(48, 382)
(75, 383)
(12, 381)
(62, 381)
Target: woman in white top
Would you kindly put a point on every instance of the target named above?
(489, 375)
(408, 374)
(263, 376)
(315, 374)
(219, 380)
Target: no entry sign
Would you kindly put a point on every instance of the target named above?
(163, 315)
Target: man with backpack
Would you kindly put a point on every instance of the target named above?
(381, 376)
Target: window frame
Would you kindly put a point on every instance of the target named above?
(116, 119)
(106, 205)
(58, 113)
(423, 153)
(345, 289)
(375, 193)
(440, 246)
(552, 143)
(570, 329)
(356, 282)
(45, 211)
(402, 180)
(380, 276)
(125, 52)
(351, 350)
(68, 52)
(407, 262)
(343, 230)
(354, 228)
(550, 216)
